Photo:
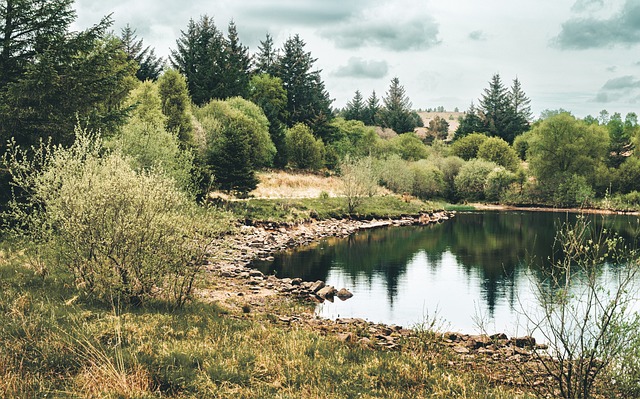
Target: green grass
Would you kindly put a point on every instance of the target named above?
(55, 344)
(297, 210)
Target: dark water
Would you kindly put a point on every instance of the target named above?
(479, 268)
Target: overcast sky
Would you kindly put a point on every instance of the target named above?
(580, 55)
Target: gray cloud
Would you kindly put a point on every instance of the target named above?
(478, 35)
(359, 68)
(584, 5)
(624, 88)
(585, 33)
(416, 34)
(612, 68)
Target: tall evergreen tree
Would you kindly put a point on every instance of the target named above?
(355, 108)
(149, 64)
(237, 64)
(496, 111)
(371, 112)
(308, 101)
(396, 113)
(520, 108)
(200, 57)
(469, 123)
(619, 140)
(266, 60)
(27, 29)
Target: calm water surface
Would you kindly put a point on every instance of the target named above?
(479, 268)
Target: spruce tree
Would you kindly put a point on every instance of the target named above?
(496, 111)
(396, 113)
(355, 108)
(521, 109)
(469, 123)
(231, 161)
(200, 57)
(237, 64)
(308, 101)
(266, 60)
(149, 65)
(372, 111)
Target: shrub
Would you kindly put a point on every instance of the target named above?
(304, 150)
(573, 191)
(498, 182)
(497, 150)
(521, 145)
(467, 147)
(450, 167)
(396, 175)
(125, 235)
(470, 182)
(409, 147)
(359, 179)
(428, 180)
(629, 175)
(176, 105)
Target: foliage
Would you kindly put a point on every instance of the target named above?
(409, 147)
(469, 123)
(352, 137)
(471, 181)
(149, 65)
(438, 128)
(236, 67)
(176, 106)
(266, 61)
(396, 113)
(359, 179)
(268, 93)
(497, 150)
(629, 175)
(308, 102)
(124, 235)
(428, 180)
(55, 78)
(574, 191)
(450, 167)
(467, 147)
(219, 117)
(562, 147)
(371, 113)
(145, 141)
(396, 175)
(498, 182)
(521, 145)
(304, 151)
(355, 108)
(586, 324)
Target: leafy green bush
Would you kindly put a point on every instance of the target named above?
(125, 235)
(574, 191)
(409, 147)
(450, 167)
(521, 145)
(497, 150)
(359, 180)
(428, 180)
(471, 181)
(303, 150)
(467, 147)
(498, 182)
(629, 175)
(396, 175)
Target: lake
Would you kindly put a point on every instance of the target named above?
(478, 269)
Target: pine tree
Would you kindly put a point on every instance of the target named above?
(469, 123)
(28, 28)
(266, 61)
(496, 111)
(237, 64)
(396, 113)
(200, 58)
(231, 162)
(355, 109)
(307, 99)
(149, 65)
(521, 109)
(372, 110)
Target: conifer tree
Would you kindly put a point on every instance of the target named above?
(149, 65)
(372, 110)
(237, 64)
(355, 108)
(496, 111)
(396, 113)
(469, 123)
(307, 99)
(521, 108)
(266, 60)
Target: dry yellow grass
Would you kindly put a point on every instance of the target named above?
(279, 184)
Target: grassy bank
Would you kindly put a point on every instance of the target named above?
(55, 344)
(301, 209)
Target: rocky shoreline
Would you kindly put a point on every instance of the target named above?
(260, 242)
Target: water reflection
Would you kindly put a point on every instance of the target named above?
(481, 264)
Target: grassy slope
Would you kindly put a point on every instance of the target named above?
(56, 345)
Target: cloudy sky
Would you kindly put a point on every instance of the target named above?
(580, 55)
